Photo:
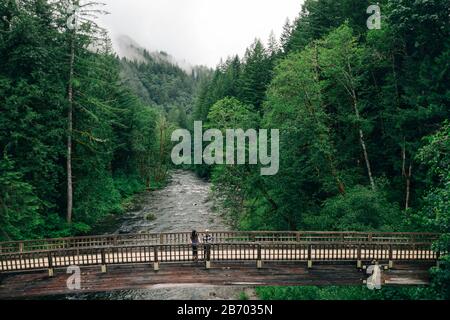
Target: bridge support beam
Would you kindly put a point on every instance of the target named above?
(359, 264)
(156, 261)
(259, 262)
(391, 257)
(207, 253)
(103, 261)
(51, 271)
(310, 262)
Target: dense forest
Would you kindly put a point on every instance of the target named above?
(64, 92)
(363, 118)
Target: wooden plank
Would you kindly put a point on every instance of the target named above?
(143, 277)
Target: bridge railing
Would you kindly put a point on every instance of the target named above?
(217, 237)
(236, 251)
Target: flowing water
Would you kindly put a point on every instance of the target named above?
(184, 205)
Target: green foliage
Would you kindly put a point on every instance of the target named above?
(163, 84)
(243, 296)
(345, 293)
(231, 113)
(225, 114)
(353, 107)
(120, 140)
(359, 209)
(435, 213)
(19, 206)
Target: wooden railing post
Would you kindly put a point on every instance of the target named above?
(259, 262)
(310, 262)
(156, 259)
(161, 238)
(103, 261)
(207, 256)
(51, 271)
(391, 257)
(359, 255)
(21, 247)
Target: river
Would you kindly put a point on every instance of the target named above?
(184, 205)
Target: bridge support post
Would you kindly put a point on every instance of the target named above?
(207, 256)
(103, 261)
(391, 258)
(51, 271)
(359, 261)
(310, 262)
(156, 260)
(259, 262)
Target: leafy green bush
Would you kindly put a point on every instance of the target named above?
(19, 206)
(346, 293)
(128, 185)
(360, 209)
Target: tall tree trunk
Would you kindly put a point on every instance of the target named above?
(351, 88)
(408, 187)
(70, 130)
(366, 158)
(407, 175)
(363, 142)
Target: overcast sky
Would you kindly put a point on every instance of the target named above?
(198, 31)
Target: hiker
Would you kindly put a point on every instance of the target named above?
(195, 240)
(207, 239)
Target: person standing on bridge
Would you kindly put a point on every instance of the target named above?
(195, 240)
(207, 239)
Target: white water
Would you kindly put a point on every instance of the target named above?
(184, 205)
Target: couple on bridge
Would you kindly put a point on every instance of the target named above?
(195, 240)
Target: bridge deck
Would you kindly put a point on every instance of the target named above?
(260, 258)
(38, 284)
(224, 252)
(226, 246)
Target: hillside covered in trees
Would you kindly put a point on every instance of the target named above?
(363, 118)
(57, 83)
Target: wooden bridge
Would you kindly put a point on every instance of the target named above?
(259, 258)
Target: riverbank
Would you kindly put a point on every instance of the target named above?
(184, 204)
